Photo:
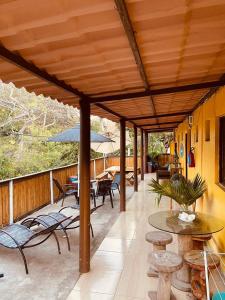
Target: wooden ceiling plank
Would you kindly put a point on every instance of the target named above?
(19, 61)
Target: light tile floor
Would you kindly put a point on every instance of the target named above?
(118, 268)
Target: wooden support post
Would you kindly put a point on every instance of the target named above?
(142, 155)
(84, 262)
(94, 167)
(122, 166)
(135, 160)
(11, 210)
(146, 152)
(51, 187)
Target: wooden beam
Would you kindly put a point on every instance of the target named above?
(211, 92)
(142, 154)
(122, 165)
(181, 113)
(109, 110)
(20, 62)
(161, 130)
(163, 123)
(135, 156)
(169, 90)
(129, 30)
(84, 262)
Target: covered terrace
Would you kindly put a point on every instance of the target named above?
(145, 64)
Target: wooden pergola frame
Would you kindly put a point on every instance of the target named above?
(85, 102)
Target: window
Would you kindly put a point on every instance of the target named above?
(196, 134)
(222, 150)
(207, 130)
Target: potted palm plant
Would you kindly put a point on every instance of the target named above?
(183, 191)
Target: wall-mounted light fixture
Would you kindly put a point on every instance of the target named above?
(190, 121)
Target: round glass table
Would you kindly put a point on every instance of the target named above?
(202, 225)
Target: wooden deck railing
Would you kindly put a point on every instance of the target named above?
(21, 196)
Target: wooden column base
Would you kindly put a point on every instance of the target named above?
(181, 280)
(153, 296)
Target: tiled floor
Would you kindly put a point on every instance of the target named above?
(118, 268)
(52, 276)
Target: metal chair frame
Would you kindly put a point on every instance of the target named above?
(42, 220)
(46, 231)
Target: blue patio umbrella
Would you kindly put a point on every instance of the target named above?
(72, 135)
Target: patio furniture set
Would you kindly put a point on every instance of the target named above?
(184, 270)
(34, 231)
(101, 187)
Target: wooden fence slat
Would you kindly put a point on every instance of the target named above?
(4, 204)
(30, 194)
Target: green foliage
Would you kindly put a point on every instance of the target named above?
(156, 143)
(26, 121)
(184, 192)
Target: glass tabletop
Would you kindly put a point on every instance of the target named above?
(168, 221)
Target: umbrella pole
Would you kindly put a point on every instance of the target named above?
(104, 161)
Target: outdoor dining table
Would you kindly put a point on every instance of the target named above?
(116, 169)
(203, 224)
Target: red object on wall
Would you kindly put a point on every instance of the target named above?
(191, 159)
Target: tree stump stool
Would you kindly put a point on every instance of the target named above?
(159, 240)
(166, 263)
(200, 240)
(195, 260)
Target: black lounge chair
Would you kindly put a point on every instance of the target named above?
(18, 236)
(58, 219)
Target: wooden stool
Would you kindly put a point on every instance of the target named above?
(195, 260)
(159, 240)
(166, 263)
(200, 240)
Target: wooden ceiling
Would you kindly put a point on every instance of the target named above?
(146, 61)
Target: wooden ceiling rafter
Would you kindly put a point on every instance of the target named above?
(90, 53)
(211, 92)
(182, 113)
(160, 123)
(129, 30)
(169, 90)
(169, 129)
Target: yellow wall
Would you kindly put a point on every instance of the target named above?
(206, 157)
